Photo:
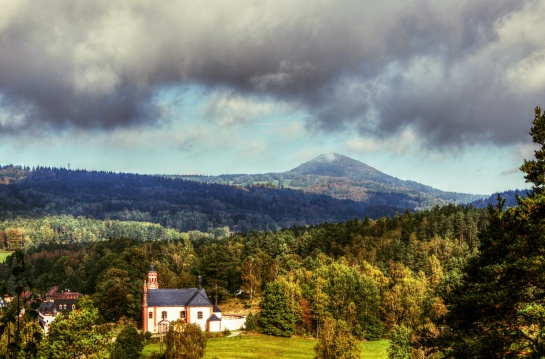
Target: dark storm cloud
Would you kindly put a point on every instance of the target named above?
(449, 69)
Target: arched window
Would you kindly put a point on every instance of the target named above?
(199, 315)
(164, 315)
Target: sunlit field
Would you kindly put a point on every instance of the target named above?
(3, 255)
(262, 346)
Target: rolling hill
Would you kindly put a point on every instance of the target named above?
(329, 188)
(342, 177)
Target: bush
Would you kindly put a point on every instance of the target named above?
(129, 344)
(251, 322)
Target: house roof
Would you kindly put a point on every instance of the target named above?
(178, 298)
(214, 318)
(216, 309)
(47, 308)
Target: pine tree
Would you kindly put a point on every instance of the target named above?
(498, 309)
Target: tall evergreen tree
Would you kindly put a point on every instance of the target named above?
(498, 309)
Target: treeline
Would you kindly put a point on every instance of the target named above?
(175, 203)
(373, 274)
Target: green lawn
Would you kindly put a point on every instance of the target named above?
(261, 346)
(3, 255)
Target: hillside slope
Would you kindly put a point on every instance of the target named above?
(176, 203)
(342, 177)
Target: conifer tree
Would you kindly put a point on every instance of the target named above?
(498, 309)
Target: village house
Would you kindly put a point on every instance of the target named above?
(54, 303)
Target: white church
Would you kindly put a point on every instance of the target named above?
(162, 306)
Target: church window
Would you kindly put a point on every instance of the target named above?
(151, 315)
(199, 315)
(164, 315)
(182, 314)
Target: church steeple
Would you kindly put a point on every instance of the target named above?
(152, 278)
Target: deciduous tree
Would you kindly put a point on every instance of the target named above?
(185, 341)
(276, 316)
(77, 335)
(128, 344)
(336, 342)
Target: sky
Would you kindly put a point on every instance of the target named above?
(439, 92)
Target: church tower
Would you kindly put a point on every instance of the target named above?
(152, 283)
(152, 279)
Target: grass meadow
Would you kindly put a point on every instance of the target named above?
(3, 255)
(248, 346)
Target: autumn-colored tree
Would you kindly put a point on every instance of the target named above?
(251, 277)
(185, 341)
(336, 342)
(400, 343)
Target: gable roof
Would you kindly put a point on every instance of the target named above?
(214, 318)
(178, 298)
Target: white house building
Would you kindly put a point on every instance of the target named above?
(162, 306)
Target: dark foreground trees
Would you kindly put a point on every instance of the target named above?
(498, 309)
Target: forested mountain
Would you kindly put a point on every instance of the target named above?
(330, 188)
(510, 198)
(175, 203)
(341, 177)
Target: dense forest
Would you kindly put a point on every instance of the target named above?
(373, 273)
(174, 203)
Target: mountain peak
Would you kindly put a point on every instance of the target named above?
(336, 165)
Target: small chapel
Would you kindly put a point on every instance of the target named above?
(162, 306)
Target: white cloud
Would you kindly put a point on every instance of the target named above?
(226, 109)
